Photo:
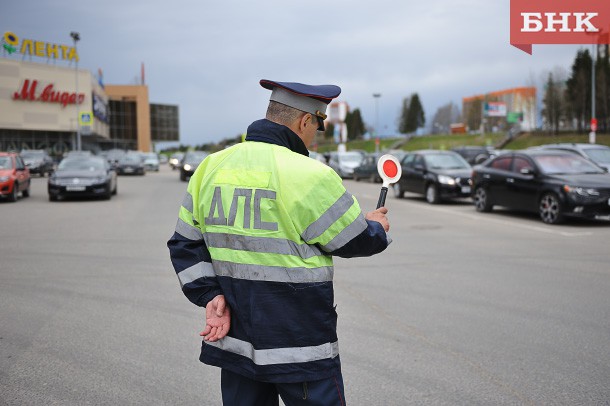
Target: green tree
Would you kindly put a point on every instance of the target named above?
(404, 113)
(355, 125)
(329, 131)
(553, 103)
(578, 90)
(415, 115)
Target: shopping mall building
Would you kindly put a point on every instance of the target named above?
(47, 102)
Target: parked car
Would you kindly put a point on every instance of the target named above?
(344, 162)
(38, 161)
(130, 164)
(175, 159)
(14, 176)
(113, 156)
(82, 176)
(368, 168)
(474, 155)
(438, 175)
(163, 159)
(151, 161)
(599, 154)
(554, 184)
(190, 162)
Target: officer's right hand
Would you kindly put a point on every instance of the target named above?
(379, 216)
(217, 319)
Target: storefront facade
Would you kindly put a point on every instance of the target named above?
(46, 102)
(40, 107)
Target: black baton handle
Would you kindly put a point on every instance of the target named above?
(382, 195)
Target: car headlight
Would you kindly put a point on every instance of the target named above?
(4, 178)
(446, 180)
(581, 191)
(187, 167)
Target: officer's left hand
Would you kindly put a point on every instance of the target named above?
(217, 319)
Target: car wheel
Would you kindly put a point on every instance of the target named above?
(432, 195)
(15, 193)
(26, 192)
(356, 178)
(550, 209)
(481, 200)
(53, 198)
(398, 192)
(182, 176)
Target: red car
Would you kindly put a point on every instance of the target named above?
(14, 176)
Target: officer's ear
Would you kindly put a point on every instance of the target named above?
(306, 121)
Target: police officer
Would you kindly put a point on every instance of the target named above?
(254, 245)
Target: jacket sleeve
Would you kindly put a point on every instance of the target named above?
(191, 258)
(339, 227)
(369, 242)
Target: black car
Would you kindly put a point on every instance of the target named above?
(38, 161)
(474, 154)
(190, 162)
(130, 164)
(599, 154)
(82, 176)
(436, 174)
(555, 184)
(368, 168)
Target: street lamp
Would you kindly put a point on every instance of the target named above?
(376, 96)
(593, 121)
(76, 37)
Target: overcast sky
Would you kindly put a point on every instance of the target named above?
(207, 57)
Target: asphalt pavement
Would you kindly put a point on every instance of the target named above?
(463, 308)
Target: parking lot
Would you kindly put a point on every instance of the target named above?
(463, 308)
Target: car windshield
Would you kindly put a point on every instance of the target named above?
(81, 165)
(350, 157)
(131, 159)
(195, 157)
(565, 164)
(599, 155)
(446, 161)
(6, 162)
(30, 154)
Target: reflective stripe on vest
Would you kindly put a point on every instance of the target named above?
(331, 215)
(273, 273)
(187, 202)
(277, 355)
(188, 231)
(199, 270)
(261, 244)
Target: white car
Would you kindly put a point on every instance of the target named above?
(151, 161)
(344, 162)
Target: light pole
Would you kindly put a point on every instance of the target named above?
(376, 96)
(76, 37)
(593, 123)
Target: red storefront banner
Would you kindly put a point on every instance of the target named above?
(558, 22)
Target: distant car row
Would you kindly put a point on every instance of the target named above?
(555, 181)
(80, 173)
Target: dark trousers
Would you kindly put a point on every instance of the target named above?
(241, 391)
